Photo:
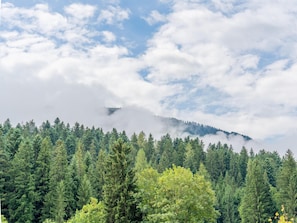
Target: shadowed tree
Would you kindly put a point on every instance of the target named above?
(119, 188)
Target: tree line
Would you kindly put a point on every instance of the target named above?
(61, 173)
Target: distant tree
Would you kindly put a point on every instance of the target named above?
(243, 161)
(190, 161)
(119, 188)
(13, 141)
(149, 148)
(140, 161)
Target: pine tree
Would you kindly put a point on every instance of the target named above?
(119, 187)
(257, 204)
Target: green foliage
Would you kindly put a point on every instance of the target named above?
(176, 195)
(94, 212)
(3, 219)
(40, 182)
(140, 161)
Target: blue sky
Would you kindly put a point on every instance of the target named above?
(226, 63)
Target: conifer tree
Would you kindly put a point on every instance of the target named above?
(119, 187)
(98, 175)
(58, 173)
(84, 192)
(60, 203)
(22, 199)
(149, 148)
(257, 204)
(287, 185)
(140, 161)
(42, 178)
(4, 177)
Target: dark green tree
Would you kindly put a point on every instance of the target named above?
(84, 192)
(287, 185)
(13, 140)
(120, 188)
(149, 148)
(243, 161)
(4, 176)
(58, 173)
(256, 204)
(42, 178)
(97, 178)
(22, 198)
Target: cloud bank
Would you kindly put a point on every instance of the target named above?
(227, 64)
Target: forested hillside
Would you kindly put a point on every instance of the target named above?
(61, 173)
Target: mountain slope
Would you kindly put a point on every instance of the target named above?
(180, 127)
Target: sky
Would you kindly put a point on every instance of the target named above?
(231, 64)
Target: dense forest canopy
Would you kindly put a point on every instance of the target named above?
(62, 173)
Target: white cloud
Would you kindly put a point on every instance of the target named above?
(108, 36)
(113, 15)
(155, 17)
(224, 63)
(202, 47)
(80, 11)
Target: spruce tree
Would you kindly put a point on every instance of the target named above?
(4, 177)
(119, 187)
(22, 199)
(58, 173)
(287, 185)
(257, 204)
(42, 178)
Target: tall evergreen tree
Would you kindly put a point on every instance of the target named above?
(257, 204)
(4, 176)
(287, 185)
(119, 187)
(42, 178)
(84, 192)
(60, 203)
(98, 175)
(22, 199)
(58, 173)
(13, 141)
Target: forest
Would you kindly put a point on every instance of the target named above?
(55, 173)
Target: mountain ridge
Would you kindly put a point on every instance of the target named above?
(188, 127)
